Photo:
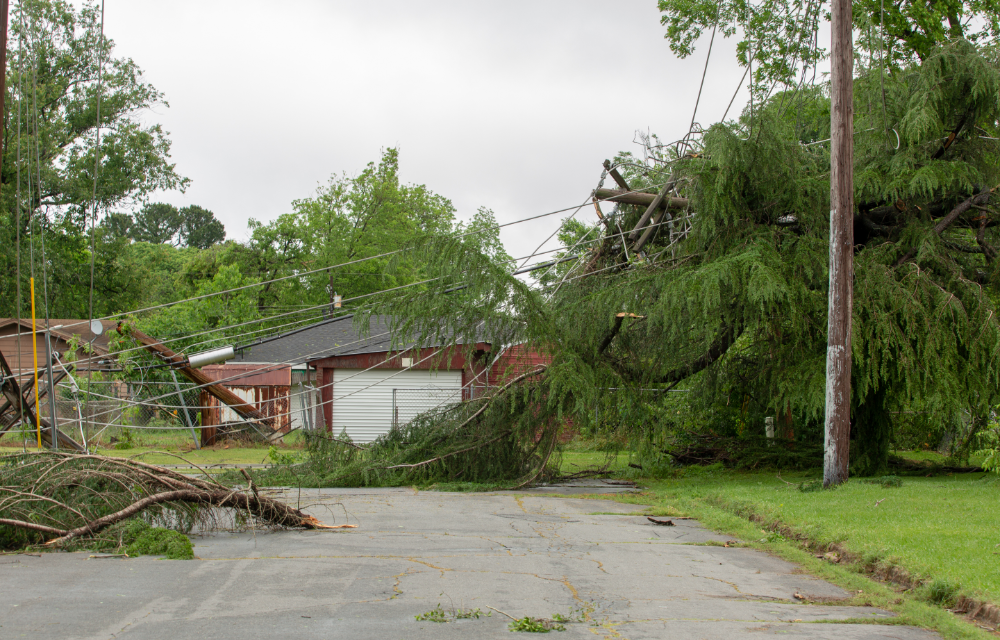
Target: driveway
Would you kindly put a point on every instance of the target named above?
(522, 554)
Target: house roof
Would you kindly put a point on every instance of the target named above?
(327, 338)
(67, 328)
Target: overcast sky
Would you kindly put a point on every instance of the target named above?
(508, 105)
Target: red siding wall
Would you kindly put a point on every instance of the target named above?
(513, 362)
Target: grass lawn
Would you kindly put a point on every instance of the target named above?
(945, 528)
(576, 461)
(180, 443)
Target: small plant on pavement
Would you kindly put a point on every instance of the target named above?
(436, 614)
(528, 624)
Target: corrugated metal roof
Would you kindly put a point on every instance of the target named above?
(326, 339)
(249, 375)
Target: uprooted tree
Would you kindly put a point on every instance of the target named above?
(711, 275)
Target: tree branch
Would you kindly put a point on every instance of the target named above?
(716, 350)
(979, 199)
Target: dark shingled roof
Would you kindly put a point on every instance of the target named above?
(326, 338)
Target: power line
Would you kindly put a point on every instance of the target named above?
(319, 306)
(302, 274)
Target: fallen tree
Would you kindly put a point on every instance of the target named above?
(56, 499)
(727, 299)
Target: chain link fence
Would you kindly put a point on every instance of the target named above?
(110, 412)
(129, 412)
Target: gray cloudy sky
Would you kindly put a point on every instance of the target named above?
(510, 105)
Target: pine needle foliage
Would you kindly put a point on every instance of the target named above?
(729, 300)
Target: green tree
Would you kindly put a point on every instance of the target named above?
(52, 81)
(158, 223)
(118, 225)
(366, 216)
(779, 36)
(200, 228)
(735, 310)
(349, 219)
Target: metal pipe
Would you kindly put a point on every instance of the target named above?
(53, 419)
(187, 416)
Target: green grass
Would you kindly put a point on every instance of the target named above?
(933, 457)
(180, 443)
(944, 528)
(575, 461)
(201, 457)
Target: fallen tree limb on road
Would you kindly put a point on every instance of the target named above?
(54, 499)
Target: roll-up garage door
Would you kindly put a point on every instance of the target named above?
(366, 404)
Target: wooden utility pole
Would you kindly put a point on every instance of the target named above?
(4, 10)
(262, 423)
(838, 350)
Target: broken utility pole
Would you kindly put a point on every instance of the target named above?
(639, 198)
(838, 350)
(260, 422)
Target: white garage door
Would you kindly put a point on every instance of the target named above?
(363, 401)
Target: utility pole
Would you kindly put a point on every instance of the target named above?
(841, 302)
(53, 416)
(4, 10)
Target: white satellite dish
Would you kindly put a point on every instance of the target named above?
(96, 327)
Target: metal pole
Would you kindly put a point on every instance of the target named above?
(838, 352)
(187, 416)
(75, 388)
(307, 405)
(304, 410)
(53, 419)
(34, 353)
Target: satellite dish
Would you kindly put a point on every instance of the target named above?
(96, 327)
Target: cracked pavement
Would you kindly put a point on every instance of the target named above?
(523, 554)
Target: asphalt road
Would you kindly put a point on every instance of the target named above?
(617, 576)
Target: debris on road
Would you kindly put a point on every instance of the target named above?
(66, 497)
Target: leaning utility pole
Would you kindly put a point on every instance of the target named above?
(838, 350)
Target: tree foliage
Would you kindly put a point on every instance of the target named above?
(779, 37)
(731, 303)
(50, 149)
(161, 223)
